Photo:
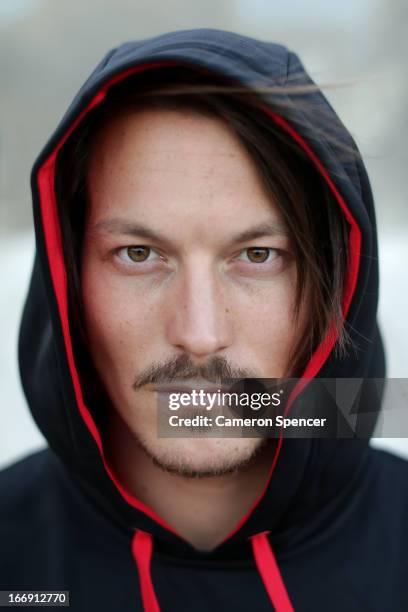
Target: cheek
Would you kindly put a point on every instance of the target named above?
(118, 321)
(269, 306)
(272, 330)
(265, 324)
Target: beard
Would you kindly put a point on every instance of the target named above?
(192, 452)
(211, 457)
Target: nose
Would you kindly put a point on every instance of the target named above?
(199, 322)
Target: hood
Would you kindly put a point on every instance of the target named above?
(308, 476)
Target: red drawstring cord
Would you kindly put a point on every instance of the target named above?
(142, 552)
(270, 574)
(264, 558)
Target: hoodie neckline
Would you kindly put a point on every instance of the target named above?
(264, 558)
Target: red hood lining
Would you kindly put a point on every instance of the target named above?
(53, 241)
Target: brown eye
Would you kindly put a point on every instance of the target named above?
(257, 254)
(138, 253)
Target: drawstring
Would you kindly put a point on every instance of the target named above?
(269, 571)
(142, 546)
(142, 552)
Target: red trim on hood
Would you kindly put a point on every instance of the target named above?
(53, 241)
(322, 352)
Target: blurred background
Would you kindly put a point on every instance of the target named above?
(48, 48)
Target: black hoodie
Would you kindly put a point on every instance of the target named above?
(330, 531)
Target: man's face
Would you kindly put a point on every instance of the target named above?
(170, 270)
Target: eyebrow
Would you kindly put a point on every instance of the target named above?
(122, 227)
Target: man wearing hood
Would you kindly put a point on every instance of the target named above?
(201, 214)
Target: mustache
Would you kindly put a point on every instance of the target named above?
(182, 368)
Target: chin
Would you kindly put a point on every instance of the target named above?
(202, 457)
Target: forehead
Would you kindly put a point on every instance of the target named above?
(164, 135)
(162, 161)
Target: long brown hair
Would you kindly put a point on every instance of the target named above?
(316, 224)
